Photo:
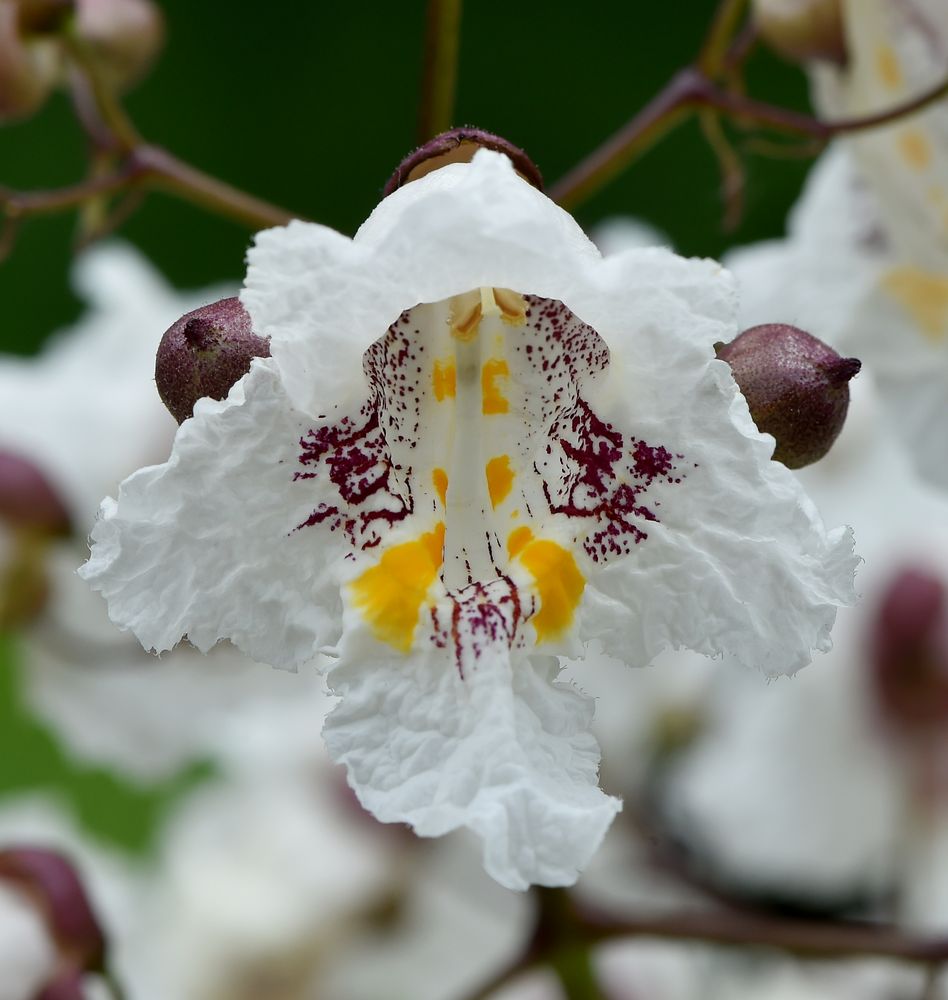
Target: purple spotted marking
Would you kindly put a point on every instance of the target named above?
(479, 617)
(588, 470)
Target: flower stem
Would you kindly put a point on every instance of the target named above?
(576, 930)
(665, 111)
(574, 969)
(691, 89)
(442, 42)
(165, 170)
(724, 26)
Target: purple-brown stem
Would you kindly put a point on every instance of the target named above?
(561, 923)
(690, 89)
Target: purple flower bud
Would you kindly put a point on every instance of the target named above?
(52, 882)
(803, 30)
(909, 653)
(68, 985)
(797, 388)
(26, 498)
(204, 354)
(125, 36)
(458, 145)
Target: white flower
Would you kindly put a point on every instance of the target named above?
(477, 445)
(825, 818)
(897, 49)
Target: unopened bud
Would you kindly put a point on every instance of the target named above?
(803, 30)
(68, 985)
(27, 500)
(29, 66)
(909, 652)
(204, 354)
(53, 884)
(458, 145)
(796, 387)
(125, 36)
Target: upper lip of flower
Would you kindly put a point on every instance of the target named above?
(314, 506)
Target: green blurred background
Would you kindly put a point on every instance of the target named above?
(312, 106)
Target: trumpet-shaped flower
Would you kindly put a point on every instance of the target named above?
(476, 446)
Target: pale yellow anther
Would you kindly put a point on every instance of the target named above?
(513, 306)
(465, 314)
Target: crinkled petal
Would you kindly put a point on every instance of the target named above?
(504, 751)
(477, 445)
(324, 300)
(736, 558)
(205, 545)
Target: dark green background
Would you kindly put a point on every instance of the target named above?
(311, 106)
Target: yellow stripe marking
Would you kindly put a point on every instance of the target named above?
(915, 148)
(493, 400)
(439, 479)
(888, 68)
(444, 380)
(500, 479)
(557, 578)
(390, 594)
(923, 295)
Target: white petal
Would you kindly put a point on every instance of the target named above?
(737, 558)
(206, 546)
(505, 752)
(324, 300)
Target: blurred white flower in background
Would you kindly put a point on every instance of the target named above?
(898, 265)
(85, 413)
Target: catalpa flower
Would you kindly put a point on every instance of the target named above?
(897, 50)
(477, 445)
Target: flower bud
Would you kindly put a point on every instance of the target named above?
(908, 652)
(29, 66)
(125, 36)
(796, 387)
(55, 887)
(68, 985)
(204, 354)
(458, 145)
(803, 30)
(26, 498)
